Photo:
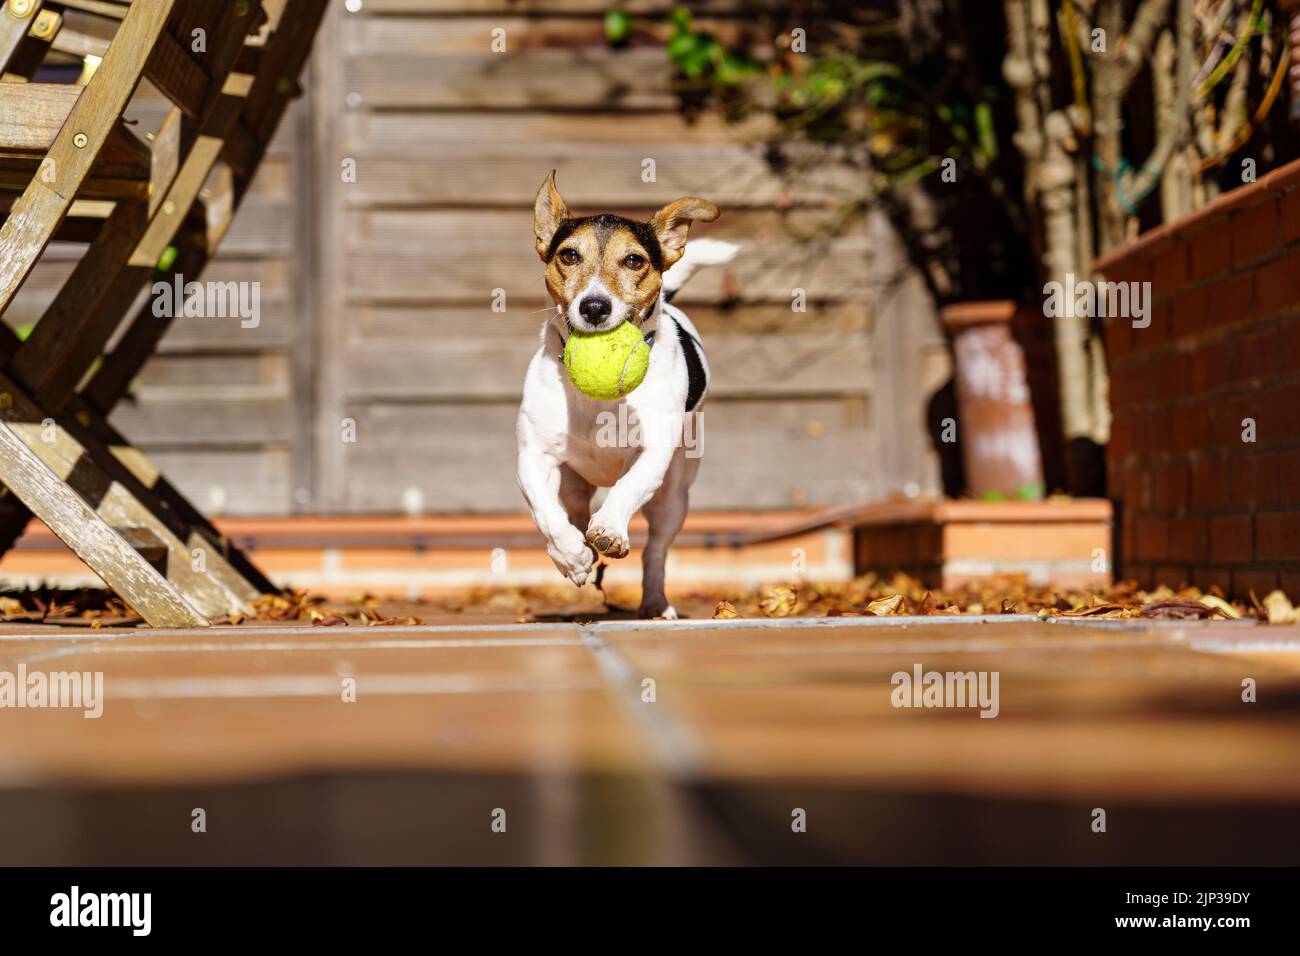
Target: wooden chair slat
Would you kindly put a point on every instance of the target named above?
(92, 538)
(42, 206)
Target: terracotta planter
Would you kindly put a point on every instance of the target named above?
(996, 433)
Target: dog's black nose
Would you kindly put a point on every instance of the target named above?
(595, 308)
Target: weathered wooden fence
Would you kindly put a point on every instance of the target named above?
(395, 203)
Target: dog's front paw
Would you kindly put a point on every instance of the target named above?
(574, 557)
(609, 541)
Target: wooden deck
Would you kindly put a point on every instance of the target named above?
(750, 722)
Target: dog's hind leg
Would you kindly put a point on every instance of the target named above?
(665, 513)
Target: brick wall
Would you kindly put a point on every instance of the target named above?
(1198, 501)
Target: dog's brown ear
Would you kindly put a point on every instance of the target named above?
(671, 224)
(548, 212)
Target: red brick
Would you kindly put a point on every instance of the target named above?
(1155, 431)
(1207, 579)
(1288, 477)
(1159, 331)
(1191, 427)
(1277, 536)
(1210, 485)
(1189, 539)
(1128, 539)
(1121, 435)
(1152, 539)
(1210, 252)
(1254, 232)
(1190, 313)
(1174, 575)
(1119, 335)
(1169, 375)
(1277, 285)
(1259, 581)
(1279, 421)
(1170, 483)
(1169, 271)
(1128, 385)
(1254, 356)
(1289, 230)
(1230, 539)
(1231, 300)
(1254, 480)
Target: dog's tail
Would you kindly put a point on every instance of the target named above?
(698, 253)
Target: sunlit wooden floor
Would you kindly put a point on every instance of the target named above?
(657, 743)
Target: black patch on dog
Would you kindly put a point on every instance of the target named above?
(605, 225)
(696, 380)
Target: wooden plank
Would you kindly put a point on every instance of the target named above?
(177, 75)
(595, 8)
(230, 481)
(183, 419)
(32, 114)
(32, 51)
(78, 44)
(240, 580)
(825, 363)
(390, 270)
(165, 159)
(274, 331)
(475, 35)
(731, 175)
(43, 205)
(363, 133)
(93, 540)
(395, 326)
(533, 79)
(12, 31)
(51, 361)
(100, 8)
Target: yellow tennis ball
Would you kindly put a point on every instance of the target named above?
(607, 365)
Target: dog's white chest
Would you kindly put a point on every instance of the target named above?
(600, 447)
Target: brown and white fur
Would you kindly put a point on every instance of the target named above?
(601, 270)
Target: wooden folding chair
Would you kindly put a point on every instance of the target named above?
(71, 168)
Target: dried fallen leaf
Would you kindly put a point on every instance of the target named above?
(1279, 609)
(1183, 609)
(1219, 604)
(725, 611)
(885, 606)
(780, 602)
(328, 620)
(9, 607)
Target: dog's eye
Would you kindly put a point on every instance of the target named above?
(570, 257)
(633, 261)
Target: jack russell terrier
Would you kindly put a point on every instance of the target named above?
(602, 270)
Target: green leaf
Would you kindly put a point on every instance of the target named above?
(167, 259)
(617, 26)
